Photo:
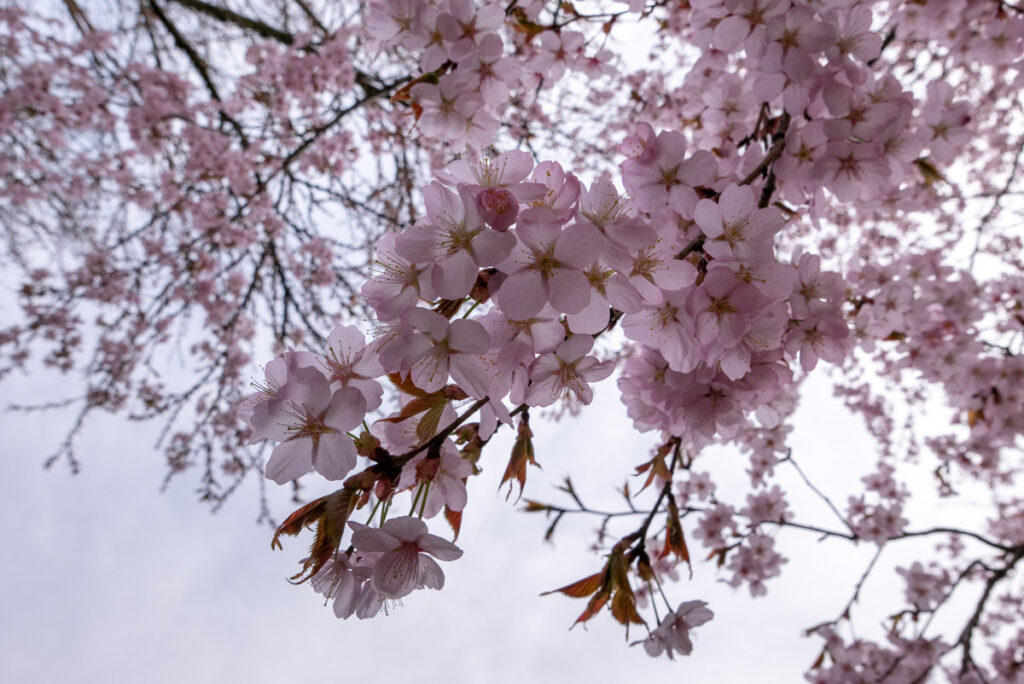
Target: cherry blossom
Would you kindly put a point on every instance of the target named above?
(673, 634)
(567, 370)
(312, 426)
(405, 563)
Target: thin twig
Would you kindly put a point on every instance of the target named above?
(828, 501)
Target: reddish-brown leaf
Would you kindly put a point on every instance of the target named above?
(594, 606)
(655, 468)
(928, 171)
(454, 519)
(329, 514)
(720, 553)
(420, 404)
(405, 384)
(427, 427)
(675, 541)
(522, 455)
(581, 588)
(624, 607)
(303, 517)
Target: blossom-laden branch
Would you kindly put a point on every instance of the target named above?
(796, 188)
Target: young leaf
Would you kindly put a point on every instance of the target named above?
(675, 542)
(329, 514)
(522, 454)
(581, 588)
(454, 519)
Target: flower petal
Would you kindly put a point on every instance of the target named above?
(406, 528)
(431, 575)
(397, 572)
(290, 460)
(335, 455)
(438, 547)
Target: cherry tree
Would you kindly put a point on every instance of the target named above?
(430, 222)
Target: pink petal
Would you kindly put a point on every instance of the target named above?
(439, 548)
(454, 276)
(543, 392)
(730, 32)
(469, 373)
(335, 455)
(430, 371)
(397, 573)
(346, 410)
(309, 388)
(443, 204)
(708, 216)
(547, 335)
(592, 370)
(491, 247)
(346, 594)
(537, 227)
(366, 538)
(736, 362)
(369, 602)
(578, 246)
(290, 460)
(593, 318)
(406, 528)
(455, 495)
(672, 275)
(431, 575)
(431, 323)
(632, 233)
(574, 348)
(568, 290)
(736, 202)
(522, 295)
(468, 336)
(622, 295)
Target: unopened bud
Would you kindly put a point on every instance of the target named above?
(498, 208)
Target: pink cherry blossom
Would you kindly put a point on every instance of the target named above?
(312, 429)
(567, 370)
(405, 563)
(441, 347)
(547, 266)
(672, 635)
(350, 363)
(346, 579)
(454, 236)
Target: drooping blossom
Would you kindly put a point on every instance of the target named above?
(672, 635)
(346, 578)
(405, 563)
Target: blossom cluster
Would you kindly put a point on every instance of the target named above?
(710, 226)
(466, 45)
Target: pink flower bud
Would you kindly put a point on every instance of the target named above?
(498, 208)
